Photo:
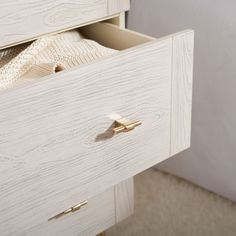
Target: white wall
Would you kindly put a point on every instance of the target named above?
(211, 162)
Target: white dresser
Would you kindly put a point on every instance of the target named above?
(71, 143)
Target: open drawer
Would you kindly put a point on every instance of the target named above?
(56, 145)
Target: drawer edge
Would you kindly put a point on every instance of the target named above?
(182, 86)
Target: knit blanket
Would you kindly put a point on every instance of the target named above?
(47, 55)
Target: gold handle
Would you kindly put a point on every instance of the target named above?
(124, 125)
(70, 210)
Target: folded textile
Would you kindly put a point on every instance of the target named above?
(47, 55)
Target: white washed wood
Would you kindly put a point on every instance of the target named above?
(49, 156)
(101, 212)
(182, 74)
(27, 19)
(116, 6)
(124, 198)
(93, 218)
(182, 79)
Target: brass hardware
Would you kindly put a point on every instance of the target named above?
(102, 234)
(124, 125)
(70, 210)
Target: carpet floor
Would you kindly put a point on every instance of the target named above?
(168, 206)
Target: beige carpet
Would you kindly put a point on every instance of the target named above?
(169, 206)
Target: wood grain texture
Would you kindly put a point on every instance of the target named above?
(54, 147)
(101, 212)
(95, 217)
(182, 78)
(28, 19)
(124, 199)
(116, 6)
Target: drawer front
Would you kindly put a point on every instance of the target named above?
(28, 19)
(84, 222)
(55, 143)
(100, 213)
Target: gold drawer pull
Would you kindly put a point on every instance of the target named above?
(124, 125)
(70, 210)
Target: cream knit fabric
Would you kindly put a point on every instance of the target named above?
(47, 55)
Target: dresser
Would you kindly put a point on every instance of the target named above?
(70, 143)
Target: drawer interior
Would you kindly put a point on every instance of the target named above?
(113, 36)
(106, 34)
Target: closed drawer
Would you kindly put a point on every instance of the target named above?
(30, 19)
(100, 213)
(91, 219)
(55, 144)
